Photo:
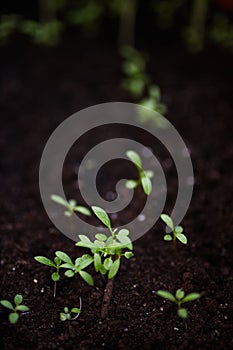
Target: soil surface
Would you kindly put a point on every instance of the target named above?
(40, 88)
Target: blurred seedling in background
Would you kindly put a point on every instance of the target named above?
(179, 299)
(176, 231)
(144, 175)
(71, 206)
(67, 314)
(15, 310)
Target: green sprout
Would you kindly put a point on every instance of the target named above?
(14, 315)
(62, 260)
(176, 231)
(179, 299)
(107, 250)
(66, 315)
(144, 175)
(71, 206)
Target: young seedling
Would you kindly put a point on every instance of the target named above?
(179, 299)
(71, 206)
(144, 175)
(176, 231)
(14, 315)
(66, 315)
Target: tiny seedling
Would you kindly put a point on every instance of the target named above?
(176, 231)
(179, 299)
(107, 251)
(67, 314)
(14, 315)
(144, 175)
(71, 206)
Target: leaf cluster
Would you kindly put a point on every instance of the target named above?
(15, 310)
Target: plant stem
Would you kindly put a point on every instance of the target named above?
(54, 289)
(107, 297)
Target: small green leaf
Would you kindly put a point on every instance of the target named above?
(178, 229)
(82, 210)
(102, 270)
(69, 273)
(123, 232)
(72, 203)
(130, 184)
(66, 310)
(13, 317)
(108, 263)
(7, 304)
(101, 237)
(67, 266)
(75, 310)
(182, 238)
(99, 244)
(179, 294)
(45, 261)
(128, 255)
(18, 299)
(57, 261)
(97, 262)
(114, 269)
(64, 257)
(146, 185)
(62, 316)
(22, 308)
(86, 260)
(84, 242)
(167, 238)
(125, 241)
(68, 213)
(87, 277)
(166, 295)
(102, 216)
(135, 158)
(55, 276)
(191, 297)
(149, 173)
(167, 220)
(183, 313)
(59, 200)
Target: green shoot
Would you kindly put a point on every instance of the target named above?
(179, 299)
(71, 206)
(66, 315)
(176, 231)
(19, 307)
(144, 175)
(107, 250)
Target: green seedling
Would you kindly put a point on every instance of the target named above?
(179, 299)
(144, 175)
(176, 231)
(107, 250)
(14, 315)
(67, 314)
(71, 206)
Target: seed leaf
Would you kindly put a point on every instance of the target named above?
(45, 261)
(135, 158)
(130, 184)
(102, 216)
(87, 277)
(18, 299)
(114, 269)
(146, 185)
(149, 173)
(167, 220)
(167, 238)
(7, 304)
(178, 229)
(191, 296)
(166, 295)
(183, 313)
(182, 238)
(13, 317)
(55, 276)
(59, 200)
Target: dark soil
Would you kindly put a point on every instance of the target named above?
(39, 89)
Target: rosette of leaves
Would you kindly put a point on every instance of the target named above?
(107, 250)
(177, 231)
(16, 309)
(145, 176)
(71, 206)
(179, 299)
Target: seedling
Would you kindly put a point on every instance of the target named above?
(14, 315)
(66, 315)
(107, 251)
(179, 298)
(71, 206)
(176, 231)
(144, 175)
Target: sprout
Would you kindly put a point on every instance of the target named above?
(71, 206)
(177, 231)
(19, 307)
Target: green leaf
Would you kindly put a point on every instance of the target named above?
(59, 200)
(22, 308)
(178, 229)
(18, 299)
(75, 310)
(69, 273)
(55, 276)
(82, 210)
(13, 317)
(182, 238)
(135, 158)
(67, 266)
(130, 184)
(183, 313)
(108, 263)
(68, 213)
(128, 255)
(123, 232)
(72, 203)
(7, 304)
(125, 241)
(86, 260)
(64, 257)
(146, 185)
(179, 294)
(99, 244)
(101, 237)
(191, 297)
(149, 173)
(166, 295)
(57, 261)
(102, 216)
(62, 316)
(85, 242)
(66, 310)
(87, 277)
(167, 238)
(45, 261)
(102, 270)
(166, 218)
(114, 269)
(97, 262)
